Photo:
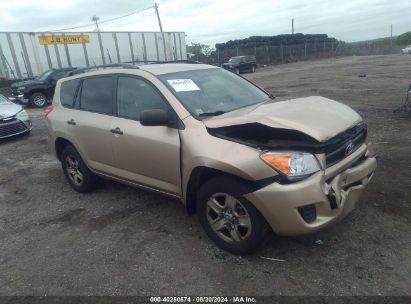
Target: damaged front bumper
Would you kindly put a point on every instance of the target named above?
(323, 198)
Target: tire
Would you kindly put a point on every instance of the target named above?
(253, 69)
(237, 70)
(77, 173)
(221, 204)
(38, 100)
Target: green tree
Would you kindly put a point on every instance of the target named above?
(404, 39)
(199, 49)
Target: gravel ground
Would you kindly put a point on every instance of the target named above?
(124, 241)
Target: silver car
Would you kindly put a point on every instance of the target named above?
(14, 120)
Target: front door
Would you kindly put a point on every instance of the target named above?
(148, 155)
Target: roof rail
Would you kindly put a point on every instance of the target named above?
(101, 67)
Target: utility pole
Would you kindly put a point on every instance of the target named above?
(161, 30)
(292, 26)
(95, 19)
(391, 35)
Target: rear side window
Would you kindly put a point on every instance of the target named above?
(68, 91)
(97, 95)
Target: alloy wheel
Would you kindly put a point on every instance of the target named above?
(228, 218)
(39, 100)
(73, 170)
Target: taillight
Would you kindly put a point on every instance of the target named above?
(48, 110)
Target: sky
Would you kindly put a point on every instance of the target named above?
(216, 21)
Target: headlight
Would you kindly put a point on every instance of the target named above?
(22, 115)
(292, 164)
(20, 88)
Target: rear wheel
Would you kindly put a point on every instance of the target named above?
(229, 219)
(77, 173)
(38, 100)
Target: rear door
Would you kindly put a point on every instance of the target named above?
(90, 120)
(148, 155)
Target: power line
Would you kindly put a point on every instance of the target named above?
(100, 22)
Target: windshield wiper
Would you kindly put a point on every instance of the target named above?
(211, 113)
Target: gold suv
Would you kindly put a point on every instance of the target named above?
(217, 142)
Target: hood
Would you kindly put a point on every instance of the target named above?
(26, 83)
(319, 117)
(230, 64)
(8, 109)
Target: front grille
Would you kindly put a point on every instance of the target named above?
(7, 120)
(337, 148)
(15, 92)
(308, 213)
(12, 128)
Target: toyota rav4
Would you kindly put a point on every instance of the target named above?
(243, 162)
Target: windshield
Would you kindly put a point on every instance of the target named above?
(44, 76)
(235, 59)
(213, 91)
(3, 99)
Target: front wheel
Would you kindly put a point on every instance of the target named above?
(38, 100)
(229, 219)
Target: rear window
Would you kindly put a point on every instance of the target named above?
(97, 95)
(68, 91)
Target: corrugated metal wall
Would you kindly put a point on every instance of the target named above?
(22, 55)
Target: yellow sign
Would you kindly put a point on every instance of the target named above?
(73, 39)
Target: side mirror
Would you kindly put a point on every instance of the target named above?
(154, 117)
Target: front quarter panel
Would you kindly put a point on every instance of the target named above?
(200, 149)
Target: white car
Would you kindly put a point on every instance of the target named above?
(13, 119)
(406, 50)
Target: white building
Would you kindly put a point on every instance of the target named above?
(29, 54)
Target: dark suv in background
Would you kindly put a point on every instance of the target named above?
(240, 64)
(38, 91)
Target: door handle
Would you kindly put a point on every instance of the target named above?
(71, 122)
(117, 131)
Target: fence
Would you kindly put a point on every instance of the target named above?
(287, 53)
(274, 54)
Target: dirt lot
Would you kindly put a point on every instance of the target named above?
(124, 241)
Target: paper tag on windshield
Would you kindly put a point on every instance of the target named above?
(183, 85)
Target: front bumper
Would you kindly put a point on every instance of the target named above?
(318, 201)
(14, 126)
(230, 67)
(18, 98)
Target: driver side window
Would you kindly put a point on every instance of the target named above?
(135, 95)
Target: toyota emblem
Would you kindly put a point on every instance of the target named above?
(349, 149)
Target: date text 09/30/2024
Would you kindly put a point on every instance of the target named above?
(220, 299)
